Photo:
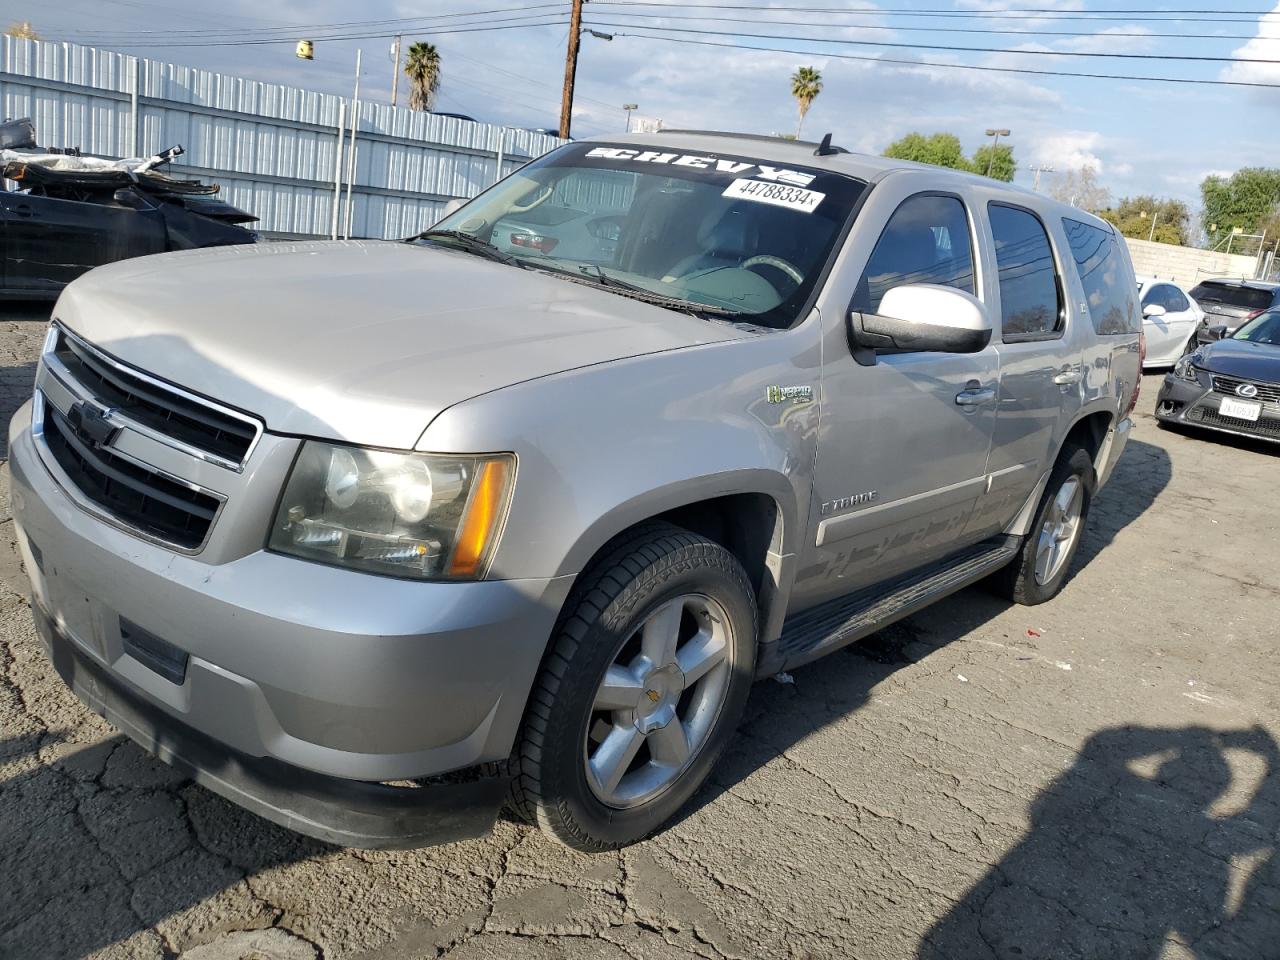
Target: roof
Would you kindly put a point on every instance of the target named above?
(861, 166)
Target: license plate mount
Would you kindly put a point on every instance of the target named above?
(1240, 409)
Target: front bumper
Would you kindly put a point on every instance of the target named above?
(350, 813)
(280, 661)
(1196, 405)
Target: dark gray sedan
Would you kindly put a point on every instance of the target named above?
(1231, 384)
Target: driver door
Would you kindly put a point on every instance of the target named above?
(903, 444)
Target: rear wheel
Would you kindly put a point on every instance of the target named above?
(641, 692)
(1041, 566)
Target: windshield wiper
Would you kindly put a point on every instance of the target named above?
(471, 244)
(592, 275)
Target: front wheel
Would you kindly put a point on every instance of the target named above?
(1041, 567)
(641, 691)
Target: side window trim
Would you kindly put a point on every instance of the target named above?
(1060, 325)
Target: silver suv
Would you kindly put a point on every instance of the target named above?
(370, 536)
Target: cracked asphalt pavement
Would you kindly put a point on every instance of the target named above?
(1095, 777)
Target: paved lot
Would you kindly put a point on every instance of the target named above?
(1096, 777)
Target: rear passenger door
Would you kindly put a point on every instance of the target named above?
(1040, 369)
(900, 461)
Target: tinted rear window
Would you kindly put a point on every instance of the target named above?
(1233, 295)
(1108, 286)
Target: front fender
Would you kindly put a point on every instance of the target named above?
(602, 448)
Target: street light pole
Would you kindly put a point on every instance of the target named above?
(395, 71)
(997, 133)
(629, 107)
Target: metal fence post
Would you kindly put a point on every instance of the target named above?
(133, 108)
(337, 168)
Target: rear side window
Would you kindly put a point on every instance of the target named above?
(1030, 301)
(1172, 299)
(1232, 294)
(925, 241)
(1108, 287)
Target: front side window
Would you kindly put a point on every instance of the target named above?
(738, 236)
(925, 241)
(1108, 288)
(1030, 302)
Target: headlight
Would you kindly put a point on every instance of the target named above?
(1185, 369)
(405, 514)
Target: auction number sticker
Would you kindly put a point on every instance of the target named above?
(778, 194)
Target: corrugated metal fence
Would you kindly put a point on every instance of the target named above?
(272, 147)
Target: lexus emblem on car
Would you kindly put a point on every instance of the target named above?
(1246, 390)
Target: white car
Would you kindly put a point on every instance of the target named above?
(1169, 321)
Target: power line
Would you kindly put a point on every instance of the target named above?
(405, 23)
(955, 66)
(950, 48)
(940, 29)
(558, 21)
(1155, 16)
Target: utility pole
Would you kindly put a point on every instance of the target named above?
(395, 71)
(570, 67)
(1037, 170)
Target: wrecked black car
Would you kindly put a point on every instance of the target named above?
(67, 213)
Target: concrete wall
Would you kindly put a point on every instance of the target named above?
(271, 147)
(1186, 265)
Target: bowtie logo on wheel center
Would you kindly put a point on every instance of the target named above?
(656, 706)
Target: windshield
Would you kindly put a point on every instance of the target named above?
(1233, 295)
(1264, 328)
(733, 234)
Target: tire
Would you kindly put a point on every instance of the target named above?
(1022, 581)
(658, 576)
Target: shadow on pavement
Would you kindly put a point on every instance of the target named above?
(1147, 839)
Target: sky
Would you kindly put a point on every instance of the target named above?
(1141, 137)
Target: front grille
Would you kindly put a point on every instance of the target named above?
(171, 414)
(1263, 426)
(1267, 392)
(144, 499)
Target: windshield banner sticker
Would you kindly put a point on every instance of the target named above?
(780, 195)
(713, 165)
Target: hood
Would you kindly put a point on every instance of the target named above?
(358, 341)
(1241, 358)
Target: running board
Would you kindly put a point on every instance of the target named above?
(831, 625)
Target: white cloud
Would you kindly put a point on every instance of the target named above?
(1264, 46)
(1070, 150)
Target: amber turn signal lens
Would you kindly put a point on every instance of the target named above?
(480, 523)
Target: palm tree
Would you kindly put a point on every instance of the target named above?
(806, 84)
(422, 67)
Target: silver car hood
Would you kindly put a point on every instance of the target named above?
(358, 341)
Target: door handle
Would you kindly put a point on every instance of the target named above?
(22, 210)
(975, 396)
(1068, 376)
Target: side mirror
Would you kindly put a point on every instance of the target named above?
(1153, 310)
(1217, 332)
(921, 316)
(131, 198)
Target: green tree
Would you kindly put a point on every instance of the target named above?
(422, 67)
(995, 161)
(1136, 216)
(944, 150)
(1243, 200)
(939, 149)
(806, 84)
